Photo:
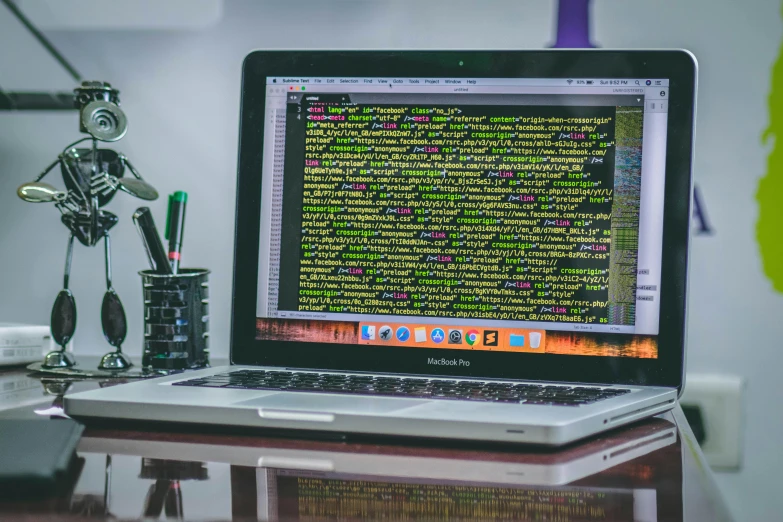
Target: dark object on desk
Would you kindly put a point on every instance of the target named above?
(176, 319)
(156, 255)
(92, 177)
(36, 455)
(175, 227)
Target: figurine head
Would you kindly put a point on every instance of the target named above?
(100, 115)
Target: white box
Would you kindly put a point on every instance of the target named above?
(24, 343)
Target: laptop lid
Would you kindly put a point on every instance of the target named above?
(507, 214)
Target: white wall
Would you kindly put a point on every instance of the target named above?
(180, 90)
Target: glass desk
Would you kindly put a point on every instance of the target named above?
(651, 471)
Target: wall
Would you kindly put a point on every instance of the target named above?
(181, 93)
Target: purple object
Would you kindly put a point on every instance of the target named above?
(573, 24)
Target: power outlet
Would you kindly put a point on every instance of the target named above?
(719, 397)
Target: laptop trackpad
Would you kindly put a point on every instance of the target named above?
(331, 403)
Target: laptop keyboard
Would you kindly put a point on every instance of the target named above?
(406, 387)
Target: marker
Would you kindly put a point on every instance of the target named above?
(152, 244)
(175, 227)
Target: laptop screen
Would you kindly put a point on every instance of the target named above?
(517, 215)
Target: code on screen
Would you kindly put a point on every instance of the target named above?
(505, 212)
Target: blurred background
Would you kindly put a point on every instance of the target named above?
(177, 64)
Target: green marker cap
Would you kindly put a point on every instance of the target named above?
(180, 197)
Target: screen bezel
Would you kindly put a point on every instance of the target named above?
(667, 370)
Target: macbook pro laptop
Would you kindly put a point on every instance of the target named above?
(479, 245)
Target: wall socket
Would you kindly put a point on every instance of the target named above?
(719, 397)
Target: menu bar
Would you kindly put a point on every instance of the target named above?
(439, 82)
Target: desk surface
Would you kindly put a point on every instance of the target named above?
(651, 471)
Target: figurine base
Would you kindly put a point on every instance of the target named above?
(115, 361)
(58, 359)
(87, 369)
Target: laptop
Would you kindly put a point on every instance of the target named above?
(474, 245)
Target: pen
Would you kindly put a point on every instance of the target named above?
(149, 235)
(175, 227)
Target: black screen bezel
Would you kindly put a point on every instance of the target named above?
(678, 66)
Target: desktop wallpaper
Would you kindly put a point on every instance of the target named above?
(563, 343)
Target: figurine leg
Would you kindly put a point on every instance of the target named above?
(63, 320)
(115, 326)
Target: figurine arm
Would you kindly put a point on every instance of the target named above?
(126, 162)
(136, 187)
(40, 192)
(48, 169)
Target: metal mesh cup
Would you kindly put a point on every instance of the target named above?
(176, 319)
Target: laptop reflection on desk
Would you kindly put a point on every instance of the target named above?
(292, 479)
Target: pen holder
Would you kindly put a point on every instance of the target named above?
(176, 319)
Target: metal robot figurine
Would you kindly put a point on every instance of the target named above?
(92, 177)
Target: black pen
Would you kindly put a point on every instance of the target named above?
(175, 227)
(149, 234)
